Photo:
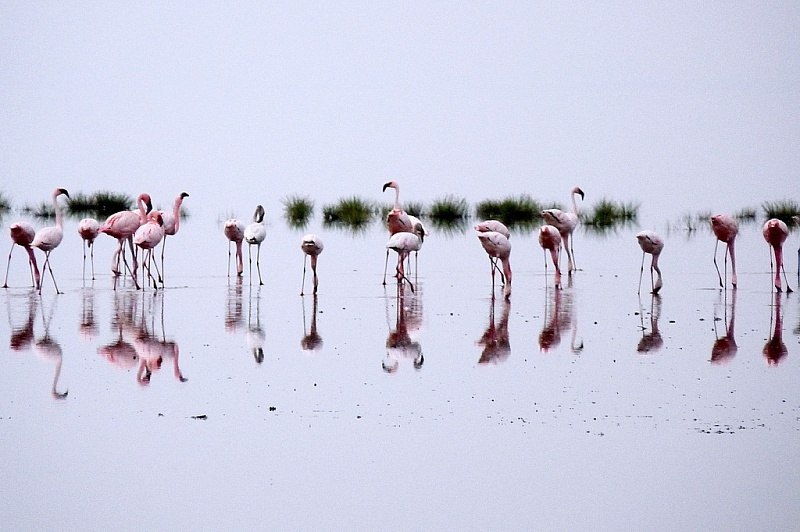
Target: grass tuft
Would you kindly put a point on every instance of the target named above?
(100, 204)
(607, 213)
(783, 210)
(516, 211)
(297, 210)
(353, 212)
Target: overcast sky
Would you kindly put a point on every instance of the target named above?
(247, 102)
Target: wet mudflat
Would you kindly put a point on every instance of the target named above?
(217, 403)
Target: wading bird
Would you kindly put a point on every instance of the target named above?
(254, 234)
(48, 238)
(650, 243)
(122, 225)
(22, 234)
(403, 243)
(172, 222)
(566, 222)
(234, 232)
(498, 227)
(550, 240)
(312, 247)
(88, 228)
(397, 221)
(725, 229)
(498, 246)
(775, 233)
(147, 237)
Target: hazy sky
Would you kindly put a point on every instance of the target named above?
(246, 102)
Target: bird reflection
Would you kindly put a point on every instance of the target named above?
(234, 315)
(725, 348)
(399, 343)
(775, 349)
(255, 334)
(49, 349)
(559, 317)
(311, 340)
(22, 334)
(496, 346)
(651, 341)
(88, 326)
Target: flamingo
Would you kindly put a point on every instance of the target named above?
(48, 238)
(22, 234)
(651, 243)
(255, 233)
(403, 243)
(172, 222)
(88, 228)
(234, 232)
(775, 233)
(550, 240)
(498, 246)
(498, 227)
(122, 225)
(312, 247)
(397, 220)
(566, 222)
(725, 229)
(147, 237)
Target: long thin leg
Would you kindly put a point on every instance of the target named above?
(163, 273)
(721, 285)
(303, 284)
(91, 253)
(258, 264)
(385, 266)
(47, 266)
(641, 271)
(83, 272)
(229, 257)
(8, 264)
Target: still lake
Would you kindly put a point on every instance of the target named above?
(373, 408)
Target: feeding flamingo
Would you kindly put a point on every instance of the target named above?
(725, 229)
(147, 237)
(403, 243)
(88, 228)
(312, 247)
(498, 246)
(550, 240)
(172, 222)
(234, 232)
(566, 222)
(650, 243)
(775, 233)
(255, 233)
(397, 220)
(498, 227)
(48, 238)
(122, 226)
(22, 234)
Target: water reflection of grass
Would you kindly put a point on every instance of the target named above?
(519, 211)
(449, 210)
(783, 210)
(5, 204)
(100, 204)
(297, 210)
(353, 212)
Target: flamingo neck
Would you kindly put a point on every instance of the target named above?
(574, 204)
(142, 212)
(176, 212)
(397, 198)
(59, 217)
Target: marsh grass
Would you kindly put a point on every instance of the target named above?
(783, 210)
(448, 210)
(298, 210)
(746, 215)
(100, 204)
(42, 210)
(5, 204)
(352, 212)
(415, 208)
(518, 211)
(608, 213)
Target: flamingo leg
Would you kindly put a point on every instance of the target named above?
(83, 272)
(91, 253)
(721, 285)
(47, 266)
(385, 267)
(303, 284)
(258, 264)
(316, 280)
(8, 264)
(162, 274)
(641, 271)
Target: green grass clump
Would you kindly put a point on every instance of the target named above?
(99, 204)
(352, 212)
(297, 210)
(782, 210)
(5, 204)
(415, 208)
(607, 213)
(42, 210)
(517, 211)
(449, 209)
(747, 214)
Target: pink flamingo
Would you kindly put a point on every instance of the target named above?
(122, 226)
(550, 240)
(147, 237)
(725, 229)
(172, 222)
(403, 243)
(650, 243)
(254, 234)
(48, 238)
(498, 227)
(498, 246)
(234, 232)
(88, 228)
(566, 222)
(397, 221)
(22, 234)
(775, 233)
(312, 247)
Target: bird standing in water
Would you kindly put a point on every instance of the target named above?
(651, 243)
(255, 233)
(22, 234)
(725, 229)
(172, 223)
(403, 243)
(48, 238)
(550, 240)
(498, 246)
(566, 222)
(234, 232)
(88, 228)
(775, 233)
(312, 247)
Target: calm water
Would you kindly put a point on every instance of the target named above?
(369, 407)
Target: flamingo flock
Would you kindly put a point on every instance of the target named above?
(145, 229)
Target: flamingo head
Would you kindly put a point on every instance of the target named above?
(145, 197)
(258, 216)
(577, 190)
(59, 191)
(390, 184)
(184, 195)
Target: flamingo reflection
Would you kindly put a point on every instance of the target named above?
(775, 349)
(22, 334)
(49, 349)
(559, 317)
(234, 314)
(88, 326)
(725, 348)
(311, 340)
(496, 346)
(651, 341)
(255, 334)
(399, 343)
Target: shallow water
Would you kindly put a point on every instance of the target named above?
(372, 407)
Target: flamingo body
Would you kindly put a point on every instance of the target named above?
(254, 234)
(566, 222)
(498, 246)
(88, 229)
(22, 234)
(48, 238)
(234, 232)
(651, 243)
(312, 246)
(403, 243)
(725, 229)
(122, 226)
(776, 232)
(550, 240)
